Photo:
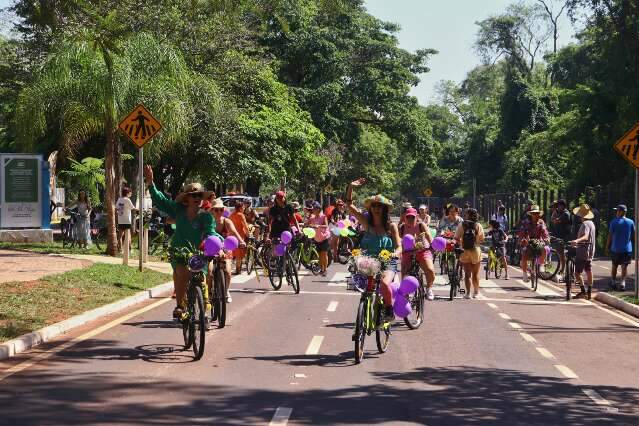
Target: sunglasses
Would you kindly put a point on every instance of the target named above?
(218, 210)
(376, 206)
(196, 196)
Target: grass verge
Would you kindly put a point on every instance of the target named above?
(629, 299)
(56, 248)
(28, 306)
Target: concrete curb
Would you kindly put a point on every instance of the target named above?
(617, 303)
(28, 341)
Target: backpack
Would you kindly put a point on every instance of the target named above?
(469, 236)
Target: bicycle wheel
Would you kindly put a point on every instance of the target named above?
(488, 267)
(452, 279)
(291, 274)
(360, 330)
(198, 319)
(534, 274)
(218, 307)
(312, 261)
(275, 271)
(551, 266)
(570, 271)
(416, 317)
(250, 260)
(382, 329)
(100, 239)
(344, 250)
(186, 331)
(499, 268)
(442, 264)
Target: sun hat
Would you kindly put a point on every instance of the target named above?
(621, 207)
(423, 206)
(584, 211)
(377, 199)
(295, 205)
(193, 188)
(217, 204)
(534, 208)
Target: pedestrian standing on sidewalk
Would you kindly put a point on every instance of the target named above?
(585, 245)
(619, 245)
(124, 208)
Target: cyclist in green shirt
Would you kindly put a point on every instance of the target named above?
(192, 226)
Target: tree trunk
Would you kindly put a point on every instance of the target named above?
(111, 187)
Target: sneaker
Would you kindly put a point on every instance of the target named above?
(323, 273)
(467, 296)
(558, 278)
(526, 279)
(475, 294)
(429, 294)
(589, 293)
(622, 286)
(580, 295)
(229, 299)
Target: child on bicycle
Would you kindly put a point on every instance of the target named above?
(498, 240)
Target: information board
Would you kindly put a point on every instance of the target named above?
(20, 192)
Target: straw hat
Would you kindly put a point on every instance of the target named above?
(217, 204)
(193, 188)
(534, 209)
(584, 211)
(377, 199)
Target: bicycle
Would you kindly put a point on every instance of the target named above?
(513, 248)
(194, 319)
(535, 263)
(344, 247)
(454, 269)
(305, 253)
(67, 228)
(493, 264)
(570, 271)
(280, 267)
(416, 299)
(370, 311)
(158, 239)
(217, 296)
(252, 258)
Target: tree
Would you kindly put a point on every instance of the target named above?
(88, 174)
(553, 17)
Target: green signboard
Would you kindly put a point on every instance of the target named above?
(21, 180)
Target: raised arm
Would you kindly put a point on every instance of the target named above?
(349, 202)
(161, 201)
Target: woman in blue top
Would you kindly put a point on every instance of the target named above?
(379, 234)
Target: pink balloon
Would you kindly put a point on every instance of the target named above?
(401, 307)
(286, 237)
(439, 244)
(408, 242)
(408, 285)
(341, 224)
(212, 245)
(280, 250)
(231, 243)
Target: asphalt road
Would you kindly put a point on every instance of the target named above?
(510, 357)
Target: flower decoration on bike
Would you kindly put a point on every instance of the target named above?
(537, 246)
(356, 252)
(385, 256)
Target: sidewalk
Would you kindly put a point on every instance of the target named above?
(156, 266)
(26, 266)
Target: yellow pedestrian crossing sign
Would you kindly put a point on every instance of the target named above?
(628, 146)
(328, 188)
(428, 192)
(140, 126)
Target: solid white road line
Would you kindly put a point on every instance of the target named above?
(44, 355)
(314, 346)
(332, 307)
(504, 316)
(300, 375)
(281, 416)
(611, 312)
(545, 353)
(567, 372)
(527, 337)
(492, 305)
(598, 399)
(515, 325)
(542, 289)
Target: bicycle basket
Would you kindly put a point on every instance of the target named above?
(357, 282)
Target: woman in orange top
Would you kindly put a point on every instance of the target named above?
(239, 220)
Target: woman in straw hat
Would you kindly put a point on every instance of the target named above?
(532, 228)
(192, 226)
(585, 244)
(379, 234)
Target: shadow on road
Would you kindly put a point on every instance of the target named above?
(456, 395)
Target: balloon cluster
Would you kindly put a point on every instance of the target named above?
(285, 240)
(342, 228)
(309, 232)
(401, 291)
(213, 244)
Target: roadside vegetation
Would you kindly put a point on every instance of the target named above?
(28, 306)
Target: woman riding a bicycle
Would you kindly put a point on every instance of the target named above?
(532, 228)
(192, 226)
(424, 257)
(379, 234)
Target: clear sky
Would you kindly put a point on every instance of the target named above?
(445, 25)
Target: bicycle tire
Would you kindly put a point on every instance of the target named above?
(275, 272)
(291, 274)
(198, 320)
(570, 267)
(312, 261)
(452, 279)
(100, 239)
(417, 304)
(534, 274)
(344, 250)
(551, 266)
(250, 260)
(499, 268)
(218, 307)
(487, 268)
(382, 332)
(360, 331)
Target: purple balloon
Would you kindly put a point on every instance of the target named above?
(408, 285)
(226, 213)
(394, 288)
(280, 250)
(286, 237)
(401, 307)
(408, 242)
(439, 244)
(212, 245)
(231, 243)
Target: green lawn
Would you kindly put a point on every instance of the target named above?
(56, 248)
(25, 307)
(630, 299)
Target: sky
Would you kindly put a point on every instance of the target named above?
(447, 26)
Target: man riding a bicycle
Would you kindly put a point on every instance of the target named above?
(281, 217)
(532, 234)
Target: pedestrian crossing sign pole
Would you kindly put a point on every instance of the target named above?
(628, 148)
(140, 126)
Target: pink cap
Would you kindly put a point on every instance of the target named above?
(411, 212)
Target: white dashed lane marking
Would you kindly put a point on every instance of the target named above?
(314, 346)
(567, 372)
(281, 416)
(504, 316)
(515, 325)
(545, 353)
(492, 305)
(332, 307)
(527, 337)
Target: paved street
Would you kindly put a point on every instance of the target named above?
(511, 357)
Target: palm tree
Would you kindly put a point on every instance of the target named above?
(89, 174)
(88, 83)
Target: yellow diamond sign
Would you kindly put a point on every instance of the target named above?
(628, 146)
(428, 192)
(140, 126)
